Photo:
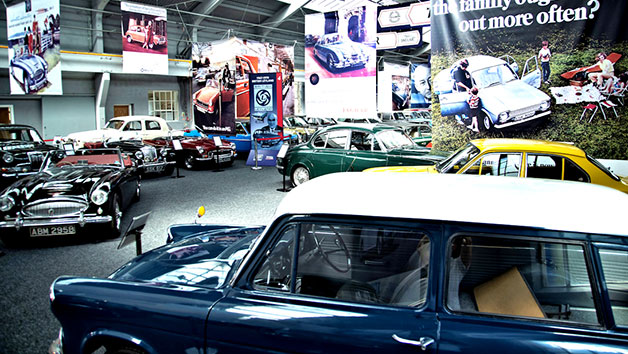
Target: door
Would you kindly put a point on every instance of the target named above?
(364, 152)
(321, 286)
(122, 110)
(5, 115)
(328, 154)
(531, 73)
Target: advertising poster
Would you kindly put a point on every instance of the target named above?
(266, 118)
(420, 86)
(340, 63)
(542, 69)
(224, 67)
(144, 39)
(33, 51)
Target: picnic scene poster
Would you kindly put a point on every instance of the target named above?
(543, 69)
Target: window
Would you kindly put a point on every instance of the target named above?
(335, 139)
(519, 278)
(164, 104)
(240, 129)
(349, 263)
(614, 267)
(362, 141)
(152, 125)
(496, 165)
(554, 167)
(135, 125)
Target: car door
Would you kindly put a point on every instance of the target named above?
(328, 152)
(531, 73)
(324, 286)
(131, 130)
(517, 292)
(152, 129)
(364, 152)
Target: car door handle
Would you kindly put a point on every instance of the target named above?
(423, 342)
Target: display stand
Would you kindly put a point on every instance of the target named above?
(256, 167)
(133, 233)
(177, 153)
(218, 144)
(282, 154)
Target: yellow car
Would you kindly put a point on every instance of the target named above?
(522, 158)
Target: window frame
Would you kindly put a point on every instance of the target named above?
(608, 311)
(563, 158)
(480, 158)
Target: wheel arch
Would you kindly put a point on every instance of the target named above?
(107, 337)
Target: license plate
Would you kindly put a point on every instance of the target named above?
(53, 230)
(223, 158)
(154, 168)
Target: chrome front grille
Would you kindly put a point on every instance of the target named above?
(518, 112)
(150, 153)
(35, 157)
(53, 207)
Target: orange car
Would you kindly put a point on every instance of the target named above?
(206, 99)
(137, 33)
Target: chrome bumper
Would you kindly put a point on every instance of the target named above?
(33, 221)
(511, 123)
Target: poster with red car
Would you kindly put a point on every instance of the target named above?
(144, 39)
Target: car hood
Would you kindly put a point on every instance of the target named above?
(91, 135)
(429, 169)
(32, 61)
(206, 94)
(69, 181)
(512, 96)
(347, 49)
(194, 260)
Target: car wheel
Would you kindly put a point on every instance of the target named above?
(151, 45)
(129, 39)
(189, 162)
(300, 175)
(485, 123)
(138, 190)
(116, 217)
(27, 89)
(330, 62)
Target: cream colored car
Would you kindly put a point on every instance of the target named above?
(123, 128)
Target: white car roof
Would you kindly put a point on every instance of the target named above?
(132, 118)
(479, 62)
(527, 202)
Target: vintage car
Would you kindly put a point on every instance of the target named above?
(359, 269)
(137, 33)
(122, 128)
(320, 122)
(507, 99)
(147, 158)
(22, 151)
(70, 193)
(245, 65)
(30, 71)
(206, 99)
(421, 133)
(339, 52)
(297, 125)
(242, 139)
(342, 148)
(361, 120)
(522, 158)
(197, 150)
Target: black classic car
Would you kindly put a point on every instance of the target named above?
(22, 151)
(69, 193)
(148, 158)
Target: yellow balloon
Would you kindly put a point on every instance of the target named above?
(201, 211)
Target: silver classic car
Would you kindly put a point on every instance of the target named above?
(339, 52)
(30, 71)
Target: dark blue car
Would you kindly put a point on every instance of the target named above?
(357, 269)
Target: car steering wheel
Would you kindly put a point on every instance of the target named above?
(342, 247)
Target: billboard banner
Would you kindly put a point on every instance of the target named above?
(401, 25)
(543, 69)
(34, 54)
(144, 39)
(224, 67)
(421, 86)
(340, 63)
(266, 117)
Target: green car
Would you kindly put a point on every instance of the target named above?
(341, 148)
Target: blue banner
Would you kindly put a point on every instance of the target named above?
(266, 118)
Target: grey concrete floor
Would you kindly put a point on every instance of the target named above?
(237, 196)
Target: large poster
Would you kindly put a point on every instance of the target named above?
(144, 39)
(34, 56)
(266, 117)
(420, 86)
(221, 80)
(546, 69)
(340, 63)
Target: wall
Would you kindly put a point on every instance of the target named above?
(26, 111)
(64, 115)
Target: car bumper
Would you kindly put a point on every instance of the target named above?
(202, 109)
(348, 63)
(82, 220)
(521, 121)
(16, 175)
(220, 158)
(156, 167)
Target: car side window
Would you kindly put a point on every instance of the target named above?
(504, 164)
(152, 125)
(320, 140)
(133, 126)
(335, 139)
(240, 129)
(519, 278)
(615, 269)
(362, 141)
(365, 264)
(573, 172)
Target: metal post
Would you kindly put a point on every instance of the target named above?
(256, 167)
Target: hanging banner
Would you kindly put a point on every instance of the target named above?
(34, 56)
(402, 25)
(340, 63)
(544, 69)
(266, 118)
(144, 39)
(421, 86)
(222, 69)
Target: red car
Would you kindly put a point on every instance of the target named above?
(195, 151)
(206, 99)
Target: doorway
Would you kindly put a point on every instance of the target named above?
(122, 110)
(6, 114)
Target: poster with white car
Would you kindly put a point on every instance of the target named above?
(34, 56)
(340, 63)
(144, 39)
(544, 69)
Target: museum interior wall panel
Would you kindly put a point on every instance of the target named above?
(64, 115)
(25, 111)
(133, 89)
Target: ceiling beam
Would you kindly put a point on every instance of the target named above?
(205, 8)
(283, 14)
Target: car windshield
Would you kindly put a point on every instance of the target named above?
(21, 134)
(494, 75)
(298, 122)
(58, 159)
(395, 139)
(212, 83)
(458, 159)
(114, 124)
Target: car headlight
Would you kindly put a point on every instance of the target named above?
(232, 146)
(200, 149)
(503, 116)
(163, 152)
(139, 155)
(545, 105)
(100, 194)
(8, 157)
(6, 203)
